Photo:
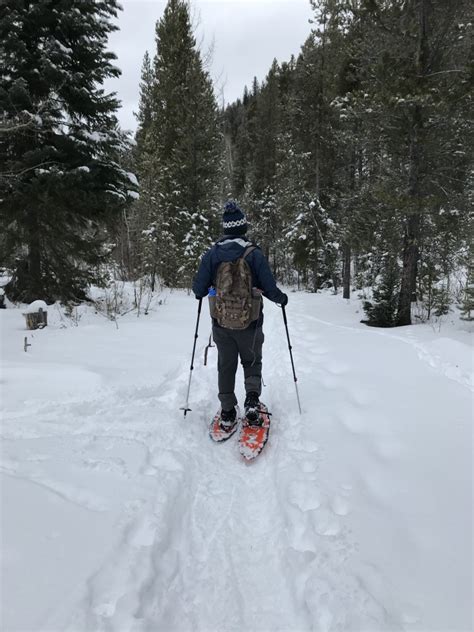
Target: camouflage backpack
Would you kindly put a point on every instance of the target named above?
(234, 305)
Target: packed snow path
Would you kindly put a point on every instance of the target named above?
(120, 516)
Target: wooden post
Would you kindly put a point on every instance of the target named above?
(36, 320)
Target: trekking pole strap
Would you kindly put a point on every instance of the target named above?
(206, 350)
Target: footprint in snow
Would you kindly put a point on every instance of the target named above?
(113, 465)
(143, 533)
(360, 397)
(325, 523)
(329, 382)
(340, 506)
(307, 446)
(106, 610)
(166, 460)
(302, 538)
(387, 449)
(38, 458)
(308, 467)
(411, 614)
(353, 420)
(304, 495)
(337, 368)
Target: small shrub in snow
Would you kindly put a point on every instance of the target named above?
(441, 301)
(381, 311)
(467, 304)
(113, 301)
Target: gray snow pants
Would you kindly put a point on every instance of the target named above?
(246, 343)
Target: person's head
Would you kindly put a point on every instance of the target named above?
(234, 221)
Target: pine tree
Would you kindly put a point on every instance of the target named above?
(382, 309)
(441, 301)
(467, 305)
(293, 201)
(413, 72)
(145, 107)
(267, 126)
(240, 148)
(59, 144)
(186, 141)
(145, 226)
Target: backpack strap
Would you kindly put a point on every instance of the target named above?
(248, 250)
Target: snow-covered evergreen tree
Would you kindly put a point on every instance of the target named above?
(186, 143)
(59, 144)
(382, 309)
(293, 200)
(145, 107)
(147, 228)
(467, 305)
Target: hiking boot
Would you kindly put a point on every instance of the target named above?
(228, 419)
(252, 408)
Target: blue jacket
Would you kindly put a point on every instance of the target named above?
(230, 248)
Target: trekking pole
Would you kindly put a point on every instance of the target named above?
(291, 356)
(186, 406)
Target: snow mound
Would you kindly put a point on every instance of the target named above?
(35, 306)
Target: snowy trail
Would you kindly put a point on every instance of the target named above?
(345, 522)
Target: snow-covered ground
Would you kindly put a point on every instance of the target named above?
(118, 515)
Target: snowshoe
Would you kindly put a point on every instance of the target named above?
(254, 433)
(224, 424)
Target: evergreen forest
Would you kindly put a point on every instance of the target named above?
(352, 159)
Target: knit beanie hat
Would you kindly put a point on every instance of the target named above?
(234, 221)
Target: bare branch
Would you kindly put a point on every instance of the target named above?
(17, 174)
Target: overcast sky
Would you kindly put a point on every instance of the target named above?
(245, 35)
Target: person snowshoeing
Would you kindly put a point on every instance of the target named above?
(235, 274)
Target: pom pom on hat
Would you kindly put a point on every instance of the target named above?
(234, 221)
(232, 207)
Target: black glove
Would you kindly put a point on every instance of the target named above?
(284, 300)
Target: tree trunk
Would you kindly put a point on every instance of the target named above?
(410, 264)
(412, 225)
(315, 277)
(355, 263)
(346, 271)
(413, 221)
(34, 288)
